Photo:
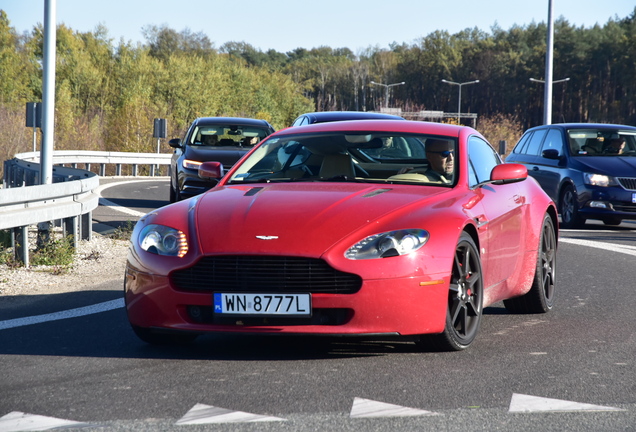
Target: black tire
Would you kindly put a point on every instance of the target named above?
(540, 298)
(175, 195)
(465, 301)
(159, 338)
(569, 209)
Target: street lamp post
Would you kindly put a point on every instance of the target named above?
(547, 99)
(387, 86)
(553, 82)
(459, 101)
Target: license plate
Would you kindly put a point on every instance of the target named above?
(634, 198)
(262, 304)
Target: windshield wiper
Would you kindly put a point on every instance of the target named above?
(338, 178)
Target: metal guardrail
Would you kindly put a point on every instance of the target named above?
(103, 158)
(70, 198)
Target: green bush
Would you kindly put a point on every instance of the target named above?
(59, 253)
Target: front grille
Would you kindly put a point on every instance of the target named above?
(626, 208)
(271, 274)
(628, 183)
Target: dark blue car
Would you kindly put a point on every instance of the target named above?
(589, 170)
(331, 116)
(220, 139)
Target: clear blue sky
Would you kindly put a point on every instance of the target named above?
(284, 25)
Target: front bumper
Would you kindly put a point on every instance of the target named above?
(612, 202)
(404, 306)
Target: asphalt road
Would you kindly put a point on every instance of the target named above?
(572, 369)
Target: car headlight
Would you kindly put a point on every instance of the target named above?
(599, 180)
(163, 240)
(190, 164)
(388, 244)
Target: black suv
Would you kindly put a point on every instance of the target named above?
(220, 139)
(589, 170)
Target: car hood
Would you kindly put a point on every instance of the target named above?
(617, 166)
(300, 218)
(226, 155)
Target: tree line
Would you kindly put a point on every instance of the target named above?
(108, 93)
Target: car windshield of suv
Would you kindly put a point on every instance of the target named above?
(602, 142)
(227, 136)
(362, 157)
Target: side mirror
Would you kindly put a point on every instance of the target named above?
(508, 173)
(175, 143)
(211, 170)
(551, 154)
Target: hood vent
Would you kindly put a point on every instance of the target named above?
(253, 191)
(375, 192)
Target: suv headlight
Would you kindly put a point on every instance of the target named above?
(163, 240)
(388, 244)
(191, 164)
(599, 180)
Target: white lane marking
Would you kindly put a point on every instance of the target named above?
(120, 208)
(108, 203)
(614, 247)
(19, 421)
(70, 313)
(525, 403)
(204, 414)
(367, 408)
(100, 188)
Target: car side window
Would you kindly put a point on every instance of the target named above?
(535, 142)
(482, 158)
(523, 143)
(553, 141)
(300, 121)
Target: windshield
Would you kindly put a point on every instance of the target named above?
(227, 136)
(364, 157)
(602, 142)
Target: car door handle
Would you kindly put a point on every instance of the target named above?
(535, 168)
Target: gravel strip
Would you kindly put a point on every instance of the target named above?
(97, 261)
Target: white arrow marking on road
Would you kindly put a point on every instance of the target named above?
(71, 313)
(19, 421)
(204, 414)
(366, 408)
(526, 404)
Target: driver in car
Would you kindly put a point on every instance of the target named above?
(614, 146)
(441, 158)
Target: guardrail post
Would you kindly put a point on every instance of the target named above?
(20, 243)
(134, 170)
(118, 170)
(102, 170)
(86, 230)
(70, 228)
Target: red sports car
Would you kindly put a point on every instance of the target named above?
(348, 228)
